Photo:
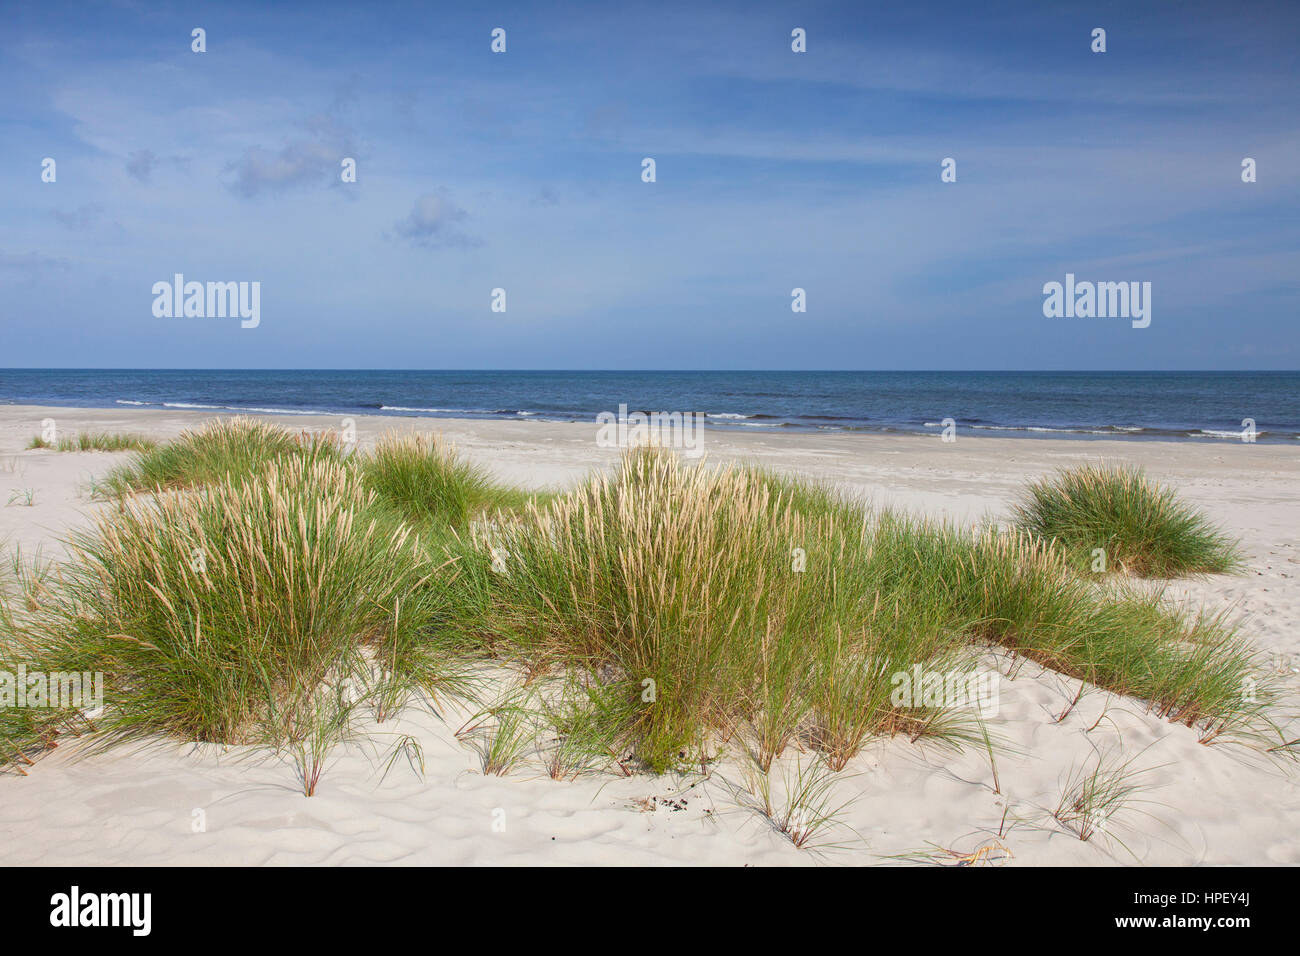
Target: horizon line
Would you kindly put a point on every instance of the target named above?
(679, 371)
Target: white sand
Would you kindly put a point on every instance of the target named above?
(1207, 804)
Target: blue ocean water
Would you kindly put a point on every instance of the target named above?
(1133, 405)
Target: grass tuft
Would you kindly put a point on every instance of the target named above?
(257, 610)
(1091, 799)
(1116, 519)
(424, 479)
(717, 604)
(224, 448)
(97, 441)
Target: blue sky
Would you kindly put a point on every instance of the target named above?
(775, 170)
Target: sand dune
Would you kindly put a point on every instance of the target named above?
(170, 804)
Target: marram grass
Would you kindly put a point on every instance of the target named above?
(719, 603)
(426, 481)
(685, 591)
(1116, 519)
(96, 441)
(223, 448)
(256, 609)
(272, 589)
(25, 732)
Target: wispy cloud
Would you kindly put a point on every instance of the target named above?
(83, 217)
(30, 267)
(312, 158)
(140, 165)
(434, 220)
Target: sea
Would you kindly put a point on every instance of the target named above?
(1135, 406)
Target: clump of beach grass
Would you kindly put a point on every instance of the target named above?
(97, 441)
(1092, 798)
(428, 482)
(224, 448)
(807, 811)
(25, 732)
(669, 611)
(579, 723)
(1017, 592)
(409, 747)
(725, 604)
(1130, 523)
(684, 593)
(23, 496)
(258, 610)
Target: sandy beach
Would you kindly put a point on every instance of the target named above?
(204, 805)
